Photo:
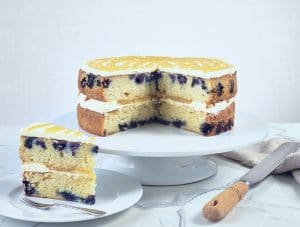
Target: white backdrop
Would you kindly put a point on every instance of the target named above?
(42, 44)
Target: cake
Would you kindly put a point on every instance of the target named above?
(58, 163)
(118, 93)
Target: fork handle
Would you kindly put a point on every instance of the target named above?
(87, 210)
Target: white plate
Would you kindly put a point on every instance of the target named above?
(115, 192)
(161, 141)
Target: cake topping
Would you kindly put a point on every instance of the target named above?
(205, 67)
(48, 130)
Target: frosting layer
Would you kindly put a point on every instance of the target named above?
(48, 130)
(199, 106)
(105, 107)
(202, 67)
(41, 168)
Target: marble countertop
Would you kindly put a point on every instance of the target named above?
(273, 202)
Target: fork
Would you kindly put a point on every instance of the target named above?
(46, 206)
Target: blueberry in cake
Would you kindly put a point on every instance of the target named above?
(119, 93)
(58, 163)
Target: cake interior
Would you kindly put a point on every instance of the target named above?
(58, 169)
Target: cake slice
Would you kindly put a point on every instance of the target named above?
(58, 163)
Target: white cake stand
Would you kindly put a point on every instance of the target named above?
(160, 155)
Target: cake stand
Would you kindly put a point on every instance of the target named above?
(161, 155)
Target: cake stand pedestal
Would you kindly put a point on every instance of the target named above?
(162, 170)
(161, 155)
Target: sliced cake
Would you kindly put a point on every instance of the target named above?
(58, 163)
(118, 93)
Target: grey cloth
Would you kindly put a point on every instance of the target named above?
(252, 155)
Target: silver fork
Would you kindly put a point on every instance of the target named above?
(46, 206)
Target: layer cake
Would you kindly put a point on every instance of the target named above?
(118, 93)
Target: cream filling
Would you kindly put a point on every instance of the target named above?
(198, 73)
(199, 106)
(105, 107)
(41, 168)
(96, 105)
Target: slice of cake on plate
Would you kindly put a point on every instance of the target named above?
(58, 163)
(119, 93)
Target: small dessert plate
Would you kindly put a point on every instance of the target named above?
(115, 192)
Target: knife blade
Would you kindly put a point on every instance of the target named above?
(267, 165)
(220, 206)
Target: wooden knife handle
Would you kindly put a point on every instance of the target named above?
(219, 207)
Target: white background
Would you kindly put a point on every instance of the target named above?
(43, 43)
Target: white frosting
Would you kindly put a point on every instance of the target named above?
(152, 65)
(96, 105)
(105, 107)
(35, 167)
(89, 69)
(41, 168)
(44, 130)
(198, 73)
(199, 106)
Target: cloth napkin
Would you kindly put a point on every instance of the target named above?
(252, 155)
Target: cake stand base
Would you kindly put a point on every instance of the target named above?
(162, 171)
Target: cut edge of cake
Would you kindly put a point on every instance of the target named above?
(58, 163)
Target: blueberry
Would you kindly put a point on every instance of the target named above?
(123, 127)
(220, 88)
(95, 149)
(133, 124)
(68, 196)
(196, 81)
(74, 146)
(83, 82)
(90, 82)
(181, 79)
(105, 83)
(206, 128)
(98, 82)
(40, 143)
(142, 122)
(231, 86)
(89, 200)
(178, 123)
(59, 145)
(219, 128)
(228, 125)
(140, 78)
(172, 77)
(28, 142)
(164, 122)
(153, 120)
(29, 189)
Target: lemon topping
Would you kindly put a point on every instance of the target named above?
(49, 130)
(36, 126)
(133, 63)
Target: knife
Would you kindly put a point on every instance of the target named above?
(220, 206)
